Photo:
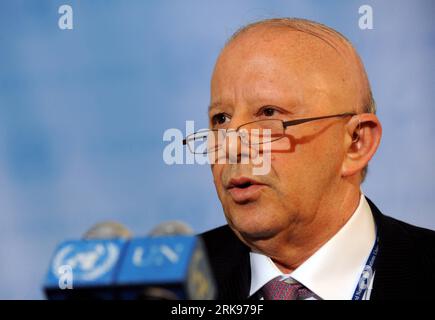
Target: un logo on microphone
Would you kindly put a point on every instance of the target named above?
(84, 261)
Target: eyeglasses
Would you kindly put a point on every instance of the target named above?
(251, 133)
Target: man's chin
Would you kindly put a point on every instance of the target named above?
(252, 221)
(257, 235)
(250, 232)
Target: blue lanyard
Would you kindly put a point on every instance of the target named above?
(367, 274)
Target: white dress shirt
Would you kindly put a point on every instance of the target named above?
(334, 270)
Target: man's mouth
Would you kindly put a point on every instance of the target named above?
(244, 189)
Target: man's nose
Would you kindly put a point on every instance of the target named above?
(237, 145)
(233, 146)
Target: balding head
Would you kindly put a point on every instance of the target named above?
(350, 60)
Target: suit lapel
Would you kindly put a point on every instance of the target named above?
(230, 263)
(393, 263)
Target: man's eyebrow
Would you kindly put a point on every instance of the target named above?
(213, 105)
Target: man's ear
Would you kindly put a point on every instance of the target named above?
(362, 138)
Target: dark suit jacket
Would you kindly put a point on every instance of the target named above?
(405, 264)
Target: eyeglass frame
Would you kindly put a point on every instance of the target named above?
(285, 125)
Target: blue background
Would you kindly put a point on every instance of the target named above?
(83, 111)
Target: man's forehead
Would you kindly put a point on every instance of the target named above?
(292, 54)
(282, 40)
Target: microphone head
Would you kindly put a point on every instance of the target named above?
(171, 228)
(107, 230)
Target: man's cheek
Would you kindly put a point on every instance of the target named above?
(287, 171)
(217, 177)
(283, 163)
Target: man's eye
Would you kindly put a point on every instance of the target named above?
(268, 111)
(219, 118)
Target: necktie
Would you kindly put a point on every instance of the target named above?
(277, 289)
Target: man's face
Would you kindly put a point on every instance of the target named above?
(281, 75)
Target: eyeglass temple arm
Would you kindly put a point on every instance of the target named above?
(299, 121)
(188, 137)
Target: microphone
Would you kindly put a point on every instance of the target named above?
(87, 268)
(109, 264)
(172, 262)
(171, 228)
(107, 230)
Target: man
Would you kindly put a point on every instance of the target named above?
(304, 230)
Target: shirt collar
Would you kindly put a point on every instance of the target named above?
(334, 270)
